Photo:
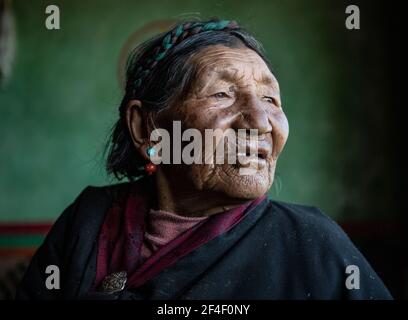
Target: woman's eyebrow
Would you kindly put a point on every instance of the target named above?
(216, 74)
(231, 75)
(265, 79)
(269, 81)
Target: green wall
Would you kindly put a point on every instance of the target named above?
(57, 108)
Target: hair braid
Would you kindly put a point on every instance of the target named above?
(171, 39)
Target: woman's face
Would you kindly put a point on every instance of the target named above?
(233, 89)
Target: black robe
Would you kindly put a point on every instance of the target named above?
(278, 251)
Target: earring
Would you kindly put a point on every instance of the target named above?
(150, 151)
(150, 168)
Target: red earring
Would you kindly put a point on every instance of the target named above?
(150, 168)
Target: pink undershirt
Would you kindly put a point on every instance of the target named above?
(162, 227)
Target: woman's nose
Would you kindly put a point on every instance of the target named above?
(251, 114)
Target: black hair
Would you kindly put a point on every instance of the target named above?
(158, 73)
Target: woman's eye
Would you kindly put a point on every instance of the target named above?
(270, 100)
(220, 95)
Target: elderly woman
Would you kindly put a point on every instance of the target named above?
(202, 229)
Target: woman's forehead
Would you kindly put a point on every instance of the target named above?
(232, 65)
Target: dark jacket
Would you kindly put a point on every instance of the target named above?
(278, 251)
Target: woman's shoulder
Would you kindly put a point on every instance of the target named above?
(315, 240)
(91, 204)
(307, 231)
(106, 193)
(109, 190)
(303, 217)
(306, 226)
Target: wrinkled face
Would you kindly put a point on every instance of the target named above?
(233, 89)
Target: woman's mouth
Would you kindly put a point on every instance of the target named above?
(253, 157)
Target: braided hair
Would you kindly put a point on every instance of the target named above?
(158, 73)
(171, 39)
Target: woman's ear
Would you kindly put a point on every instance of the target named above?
(136, 120)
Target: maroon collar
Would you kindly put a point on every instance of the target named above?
(121, 237)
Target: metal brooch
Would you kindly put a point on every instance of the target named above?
(114, 282)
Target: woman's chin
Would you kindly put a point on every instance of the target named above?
(243, 185)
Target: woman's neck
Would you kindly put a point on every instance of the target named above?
(181, 198)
